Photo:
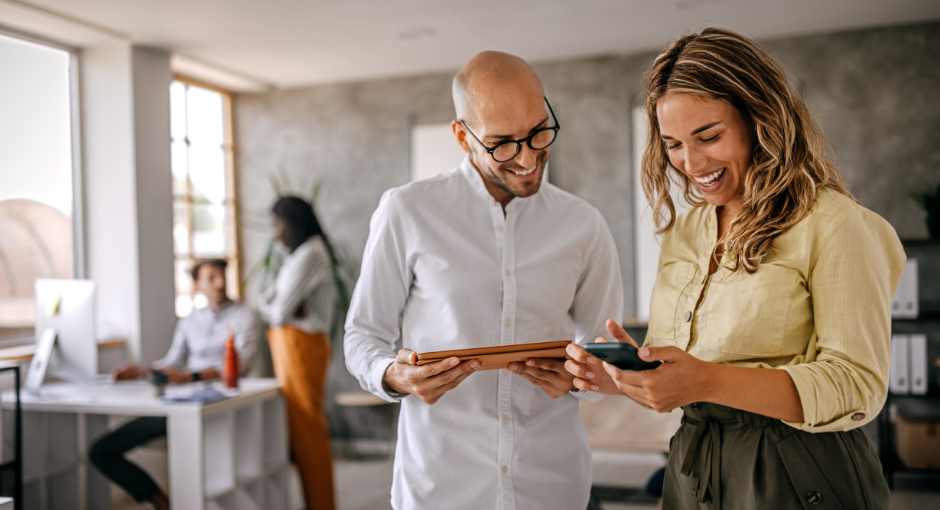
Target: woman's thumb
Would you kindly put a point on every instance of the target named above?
(667, 353)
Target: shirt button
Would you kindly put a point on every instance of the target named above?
(814, 498)
(504, 469)
(688, 316)
(499, 228)
(858, 416)
(508, 322)
(505, 371)
(505, 418)
(507, 272)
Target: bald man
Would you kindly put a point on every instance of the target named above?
(484, 255)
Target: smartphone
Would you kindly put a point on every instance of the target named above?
(620, 355)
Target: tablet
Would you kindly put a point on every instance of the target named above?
(500, 356)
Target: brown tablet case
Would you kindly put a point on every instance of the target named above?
(500, 356)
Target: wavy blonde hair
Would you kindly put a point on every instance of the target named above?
(789, 162)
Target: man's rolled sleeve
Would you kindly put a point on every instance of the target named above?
(378, 375)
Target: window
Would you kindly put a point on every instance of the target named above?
(36, 171)
(433, 150)
(203, 186)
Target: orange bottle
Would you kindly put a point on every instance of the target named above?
(231, 364)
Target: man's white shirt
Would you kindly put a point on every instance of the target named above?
(445, 269)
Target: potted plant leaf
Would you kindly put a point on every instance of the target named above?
(929, 201)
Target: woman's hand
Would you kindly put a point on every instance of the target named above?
(589, 374)
(681, 379)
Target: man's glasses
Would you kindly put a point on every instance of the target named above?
(540, 139)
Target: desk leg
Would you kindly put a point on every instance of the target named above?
(184, 446)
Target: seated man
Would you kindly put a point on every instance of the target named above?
(195, 355)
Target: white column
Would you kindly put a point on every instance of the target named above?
(128, 197)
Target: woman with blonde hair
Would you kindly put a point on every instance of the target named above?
(771, 311)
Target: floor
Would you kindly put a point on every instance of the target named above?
(366, 486)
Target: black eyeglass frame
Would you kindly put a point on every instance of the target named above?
(527, 140)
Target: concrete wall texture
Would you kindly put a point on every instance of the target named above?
(876, 93)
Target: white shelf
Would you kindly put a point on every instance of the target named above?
(275, 433)
(218, 439)
(248, 455)
(275, 491)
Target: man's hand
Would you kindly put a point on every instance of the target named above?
(427, 382)
(588, 371)
(546, 373)
(129, 373)
(175, 376)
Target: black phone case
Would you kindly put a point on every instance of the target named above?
(623, 356)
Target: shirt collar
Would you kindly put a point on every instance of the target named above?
(473, 176)
(222, 308)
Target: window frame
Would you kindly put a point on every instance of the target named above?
(234, 258)
(79, 265)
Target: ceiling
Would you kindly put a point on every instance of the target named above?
(291, 43)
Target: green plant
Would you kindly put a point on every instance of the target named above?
(929, 201)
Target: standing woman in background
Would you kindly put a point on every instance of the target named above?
(298, 302)
(771, 310)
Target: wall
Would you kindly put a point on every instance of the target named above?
(875, 92)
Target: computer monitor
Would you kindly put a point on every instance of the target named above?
(68, 308)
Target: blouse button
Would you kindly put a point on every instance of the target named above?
(499, 228)
(858, 416)
(688, 316)
(814, 498)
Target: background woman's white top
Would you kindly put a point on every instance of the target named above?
(301, 292)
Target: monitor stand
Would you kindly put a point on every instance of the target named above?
(40, 361)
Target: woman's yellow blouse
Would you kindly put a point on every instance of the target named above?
(819, 307)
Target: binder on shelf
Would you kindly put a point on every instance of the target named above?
(905, 304)
(918, 358)
(899, 382)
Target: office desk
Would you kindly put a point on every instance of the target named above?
(227, 454)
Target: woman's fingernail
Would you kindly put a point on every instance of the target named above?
(512, 367)
(590, 375)
(595, 387)
(530, 362)
(592, 360)
(454, 362)
(644, 352)
(474, 364)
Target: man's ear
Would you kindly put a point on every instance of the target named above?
(461, 135)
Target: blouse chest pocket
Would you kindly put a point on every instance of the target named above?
(671, 282)
(750, 314)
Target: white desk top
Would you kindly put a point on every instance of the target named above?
(133, 398)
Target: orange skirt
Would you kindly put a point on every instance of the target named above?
(300, 363)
